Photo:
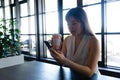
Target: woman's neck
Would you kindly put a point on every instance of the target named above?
(79, 35)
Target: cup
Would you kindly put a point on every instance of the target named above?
(56, 41)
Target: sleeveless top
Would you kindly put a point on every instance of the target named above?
(81, 54)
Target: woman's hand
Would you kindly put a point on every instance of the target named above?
(58, 56)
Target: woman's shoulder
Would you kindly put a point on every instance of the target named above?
(67, 38)
(93, 39)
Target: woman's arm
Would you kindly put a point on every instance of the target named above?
(92, 61)
(64, 50)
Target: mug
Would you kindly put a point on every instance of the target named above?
(56, 41)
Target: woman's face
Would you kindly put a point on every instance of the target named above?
(74, 26)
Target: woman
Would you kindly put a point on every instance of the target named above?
(80, 50)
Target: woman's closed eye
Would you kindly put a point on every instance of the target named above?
(72, 24)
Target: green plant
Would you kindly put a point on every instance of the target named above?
(9, 38)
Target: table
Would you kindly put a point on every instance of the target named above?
(35, 70)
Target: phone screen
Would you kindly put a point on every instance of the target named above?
(47, 44)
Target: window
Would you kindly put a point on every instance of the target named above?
(52, 17)
(93, 13)
(113, 30)
(50, 20)
(27, 27)
(0, 3)
(7, 2)
(65, 28)
(24, 9)
(87, 2)
(71, 4)
(1, 13)
(113, 50)
(5, 9)
(109, 20)
(113, 17)
(24, 26)
(66, 7)
(52, 23)
(31, 6)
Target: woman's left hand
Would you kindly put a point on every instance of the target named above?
(58, 56)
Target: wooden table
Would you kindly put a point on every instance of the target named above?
(35, 70)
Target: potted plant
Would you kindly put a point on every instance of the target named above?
(10, 43)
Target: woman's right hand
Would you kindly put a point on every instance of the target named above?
(57, 55)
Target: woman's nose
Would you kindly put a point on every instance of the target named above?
(71, 27)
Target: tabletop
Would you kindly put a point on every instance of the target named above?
(35, 70)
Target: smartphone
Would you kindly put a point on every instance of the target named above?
(47, 44)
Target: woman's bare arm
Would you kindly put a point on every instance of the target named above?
(64, 50)
(92, 60)
(89, 69)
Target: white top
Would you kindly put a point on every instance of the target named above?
(81, 54)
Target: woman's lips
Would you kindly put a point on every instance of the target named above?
(72, 32)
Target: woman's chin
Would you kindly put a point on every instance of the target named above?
(73, 34)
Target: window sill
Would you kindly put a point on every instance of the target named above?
(109, 72)
(48, 60)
